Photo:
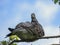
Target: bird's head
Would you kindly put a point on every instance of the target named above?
(32, 15)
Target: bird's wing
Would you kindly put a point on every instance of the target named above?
(19, 25)
(41, 30)
(23, 24)
(27, 24)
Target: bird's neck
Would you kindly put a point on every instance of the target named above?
(34, 20)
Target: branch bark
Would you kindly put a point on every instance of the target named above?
(48, 37)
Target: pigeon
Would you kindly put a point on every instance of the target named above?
(28, 31)
(34, 27)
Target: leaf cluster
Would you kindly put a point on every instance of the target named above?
(10, 39)
(57, 1)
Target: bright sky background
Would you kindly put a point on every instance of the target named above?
(47, 13)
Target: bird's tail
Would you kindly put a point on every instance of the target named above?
(10, 29)
(8, 35)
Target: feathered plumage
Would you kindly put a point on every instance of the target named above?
(28, 30)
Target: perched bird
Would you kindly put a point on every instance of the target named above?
(33, 27)
(28, 31)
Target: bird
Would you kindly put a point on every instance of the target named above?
(28, 31)
(34, 27)
(24, 34)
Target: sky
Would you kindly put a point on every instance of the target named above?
(47, 13)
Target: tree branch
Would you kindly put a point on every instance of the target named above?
(48, 37)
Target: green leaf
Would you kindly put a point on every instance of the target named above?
(55, 1)
(14, 37)
(14, 44)
(4, 42)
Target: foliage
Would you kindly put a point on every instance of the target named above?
(4, 42)
(13, 37)
(57, 1)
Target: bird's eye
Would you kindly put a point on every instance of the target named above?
(32, 16)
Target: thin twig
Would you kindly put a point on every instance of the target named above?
(48, 37)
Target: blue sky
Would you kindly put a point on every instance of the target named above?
(47, 13)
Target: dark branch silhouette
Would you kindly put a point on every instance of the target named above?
(46, 37)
